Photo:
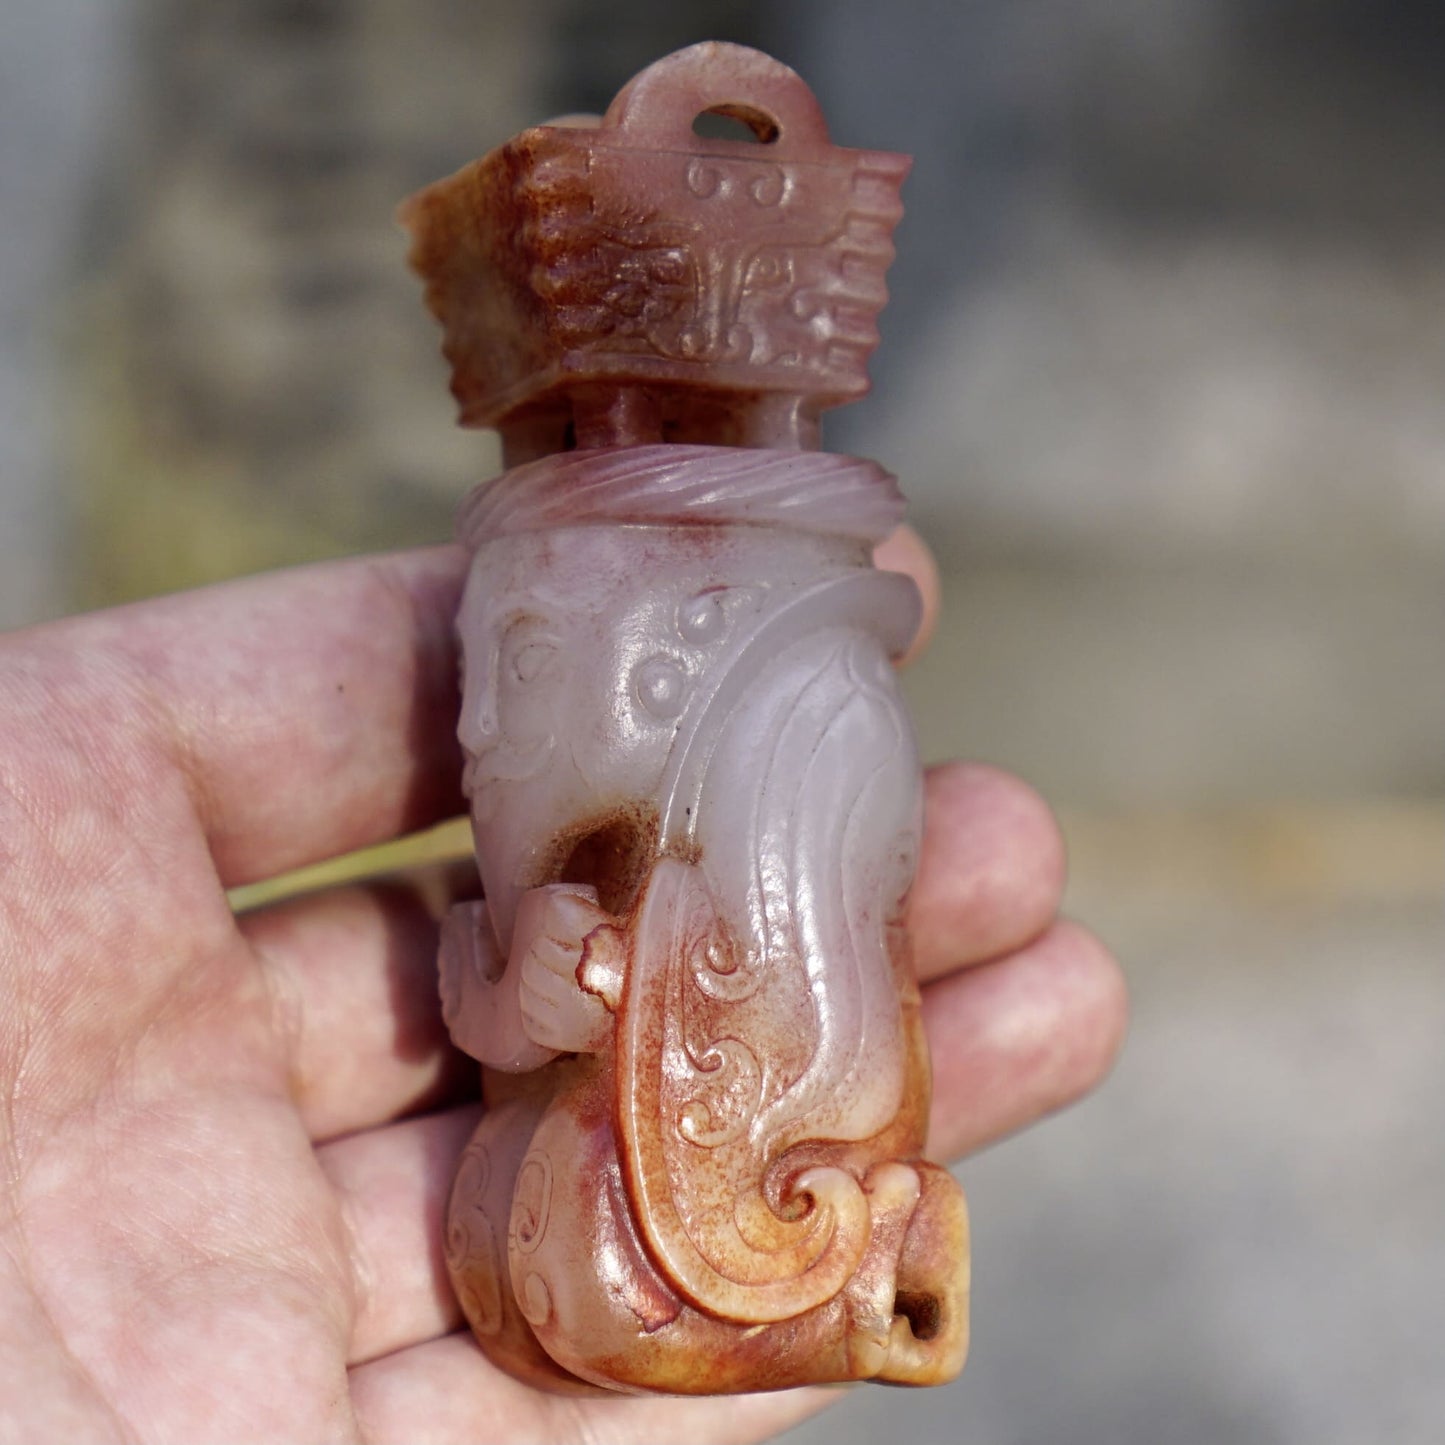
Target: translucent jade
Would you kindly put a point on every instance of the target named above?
(694, 787)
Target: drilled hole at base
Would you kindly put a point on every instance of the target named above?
(736, 122)
(922, 1311)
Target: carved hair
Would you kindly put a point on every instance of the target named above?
(810, 491)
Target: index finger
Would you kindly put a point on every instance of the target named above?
(308, 712)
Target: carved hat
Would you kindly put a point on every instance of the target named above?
(634, 252)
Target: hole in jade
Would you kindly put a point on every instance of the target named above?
(613, 855)
(922, 1312)
(736, 122)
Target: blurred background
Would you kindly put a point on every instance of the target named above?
(1163, 376)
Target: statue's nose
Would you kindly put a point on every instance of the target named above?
(477, 727)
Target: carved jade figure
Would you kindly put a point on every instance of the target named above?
(694, 789)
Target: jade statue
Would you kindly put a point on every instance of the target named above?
(694, 789)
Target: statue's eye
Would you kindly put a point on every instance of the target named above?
(528, 650)
(533, 660)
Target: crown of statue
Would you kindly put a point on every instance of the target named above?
(627, 280)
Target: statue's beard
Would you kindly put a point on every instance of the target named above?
(762, 1030)
(807, 828)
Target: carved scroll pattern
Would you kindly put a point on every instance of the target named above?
(738, 1258)
(472, 1252)
(739, 271)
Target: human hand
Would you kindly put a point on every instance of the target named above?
(226, 1142)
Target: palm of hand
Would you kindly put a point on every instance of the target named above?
(226, 1143)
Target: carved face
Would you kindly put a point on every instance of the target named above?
(750, 267)
(568, 708)
(515, 665)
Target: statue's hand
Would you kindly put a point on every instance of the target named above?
(467, 960)
(480, 998)
(522, 1016)
(553, 923)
